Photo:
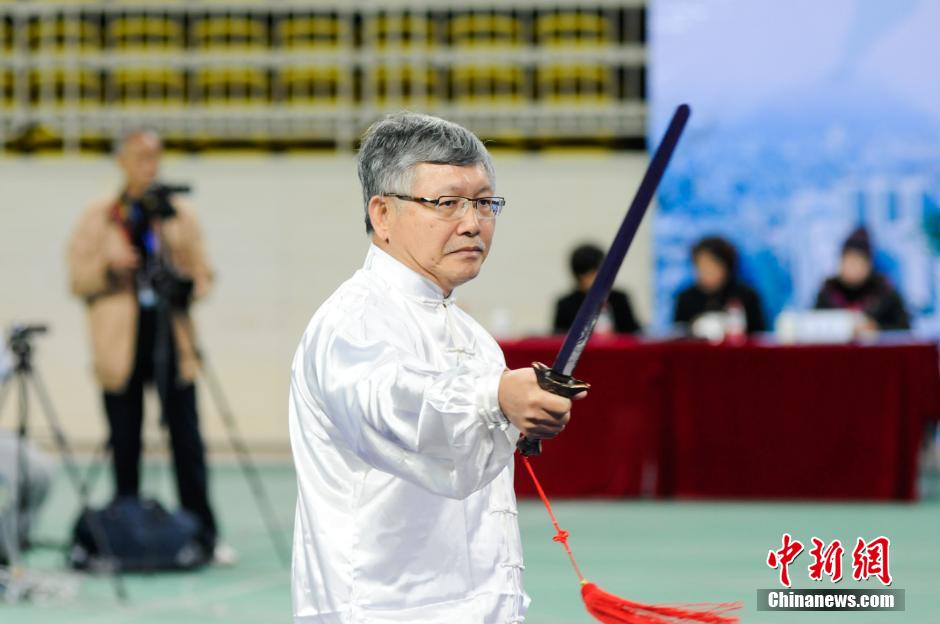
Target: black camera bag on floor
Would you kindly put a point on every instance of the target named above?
(140, 534)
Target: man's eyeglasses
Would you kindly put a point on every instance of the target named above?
(454, 207)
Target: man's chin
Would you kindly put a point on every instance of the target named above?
(465, 273)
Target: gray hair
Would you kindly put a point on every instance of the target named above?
(392, 147)
(132, 134)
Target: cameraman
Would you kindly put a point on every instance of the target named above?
(137, 260)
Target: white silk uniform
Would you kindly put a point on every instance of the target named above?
(405, 502)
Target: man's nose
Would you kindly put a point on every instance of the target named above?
(470, 222)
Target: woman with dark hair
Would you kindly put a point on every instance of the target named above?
(859, 287)
(717, 287)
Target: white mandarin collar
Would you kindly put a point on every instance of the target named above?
(403, 278)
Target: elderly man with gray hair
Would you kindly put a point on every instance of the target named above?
(403, 416)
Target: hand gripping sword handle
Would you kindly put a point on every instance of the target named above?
(556, 383)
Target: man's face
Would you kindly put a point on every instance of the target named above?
(710, 273)
(449, 253)
(586, 280)
(140, 161)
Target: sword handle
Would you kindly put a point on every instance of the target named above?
(556, 383)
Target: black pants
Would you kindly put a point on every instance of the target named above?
(125, 412)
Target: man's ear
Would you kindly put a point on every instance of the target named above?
(380, 214)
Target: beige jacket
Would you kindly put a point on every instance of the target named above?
(111, 298)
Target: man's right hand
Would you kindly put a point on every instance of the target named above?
(122, 258)
(537, 413)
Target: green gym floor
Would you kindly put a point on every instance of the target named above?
(643, 550)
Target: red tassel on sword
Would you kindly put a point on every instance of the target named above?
(607, 607)
(611, 609)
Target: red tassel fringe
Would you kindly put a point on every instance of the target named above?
(611, 609)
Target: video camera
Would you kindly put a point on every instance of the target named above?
(155, 274)
(156, 199)
(20, 333)
(18, 339)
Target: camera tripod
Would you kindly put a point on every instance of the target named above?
(237, 443)
(249, 470)
(18, 586)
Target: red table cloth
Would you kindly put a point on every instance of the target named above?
(690, 419)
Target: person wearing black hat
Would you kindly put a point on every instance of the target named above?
(859, 287)
(717, 287)
(585, 261)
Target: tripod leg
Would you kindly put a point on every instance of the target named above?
(4, 390)
(94, 469)
(14, 588)
(18, 483)
(9, 522)
(97, 532)
(247, 466)
(9, 548)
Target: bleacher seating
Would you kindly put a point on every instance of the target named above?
(229, 32)
(65, 86)
(64, 32)
(488, 84)
(314, 85)
(398, 31)
(335, 64)
(146, 32)
(147, 86)
(312, 31)
(7, 87)
(490, 29)
(401, 85)
(577, 83)
(231, 85)
(574, 28)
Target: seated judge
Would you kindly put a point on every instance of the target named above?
(717, 287)
(858, 286)
(617, 313)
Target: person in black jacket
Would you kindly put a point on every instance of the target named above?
(859, 287)
(618, 313)
(717, 287)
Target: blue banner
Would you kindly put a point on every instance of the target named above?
(808, 119)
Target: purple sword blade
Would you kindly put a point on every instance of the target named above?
(583, 324)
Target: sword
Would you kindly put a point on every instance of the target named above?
(558, 379)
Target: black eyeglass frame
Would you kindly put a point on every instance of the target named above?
(500, 203)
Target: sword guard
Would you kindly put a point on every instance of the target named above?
(556, 383)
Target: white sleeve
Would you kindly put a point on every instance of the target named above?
(441, 430)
